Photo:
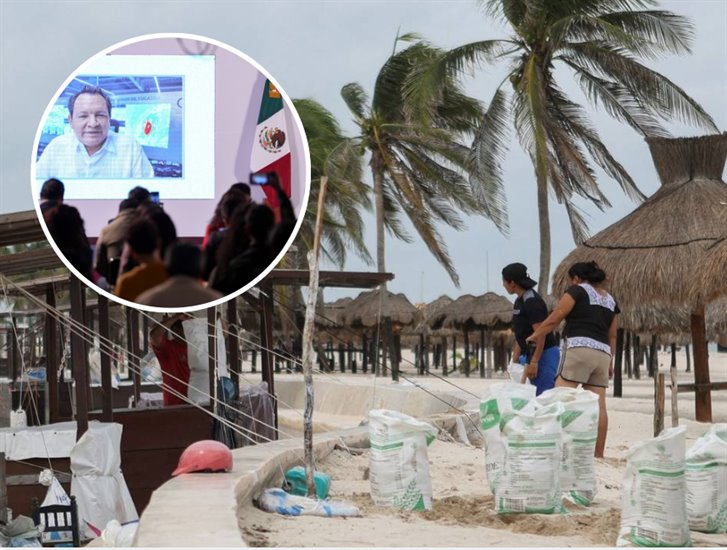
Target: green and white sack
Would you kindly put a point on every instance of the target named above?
(653, 493)
(580, 429)
(707, 481)
(399, 465)
(500, 399)
(530, 480)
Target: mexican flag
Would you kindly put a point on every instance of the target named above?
(271, 147)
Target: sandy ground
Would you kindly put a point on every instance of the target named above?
(463, 514)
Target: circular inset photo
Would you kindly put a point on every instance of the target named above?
(170, 172)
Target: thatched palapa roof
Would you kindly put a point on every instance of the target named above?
(365, 310)
(651, 255)
(468, 312)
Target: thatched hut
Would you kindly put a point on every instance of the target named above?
(651, 256)
(364, 311)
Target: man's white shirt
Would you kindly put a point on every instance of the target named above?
(120, 156)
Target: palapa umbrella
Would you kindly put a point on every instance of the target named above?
(365, 311)
(652, 255)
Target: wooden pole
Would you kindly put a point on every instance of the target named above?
(80, 370)
(638, 355)
(132, 327)
(266, 343)
(627, 353)
(454, 354)
(689, 358)
(618, 363)
(308, 352)
(444, 356)
(659, 399)
(702, 395)
(3, 492)
(466, 353)
(212, 353)
(483, 353)
(103, 332)
(51, 354)
(674, 396)
(233, 349)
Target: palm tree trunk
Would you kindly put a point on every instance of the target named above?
(385, 326)
(544, 228)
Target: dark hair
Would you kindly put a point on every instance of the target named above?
(588, 271)
(66, 226)
(139, 194)
(260, 221)
(127, 203)
(92, 90)
(230, 200)
(165, 226)
(183, 259)
(143, 237)
(242, 187)
(53, 189)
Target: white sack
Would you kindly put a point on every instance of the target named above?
(500, 399)
(399, 465)
(706, 475)
(653, 493)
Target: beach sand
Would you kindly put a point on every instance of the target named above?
(463, 514)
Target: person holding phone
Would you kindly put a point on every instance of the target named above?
(541, 362)
(90, 150)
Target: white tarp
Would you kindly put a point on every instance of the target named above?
(195, 332)
(49, 441)
(98, 484)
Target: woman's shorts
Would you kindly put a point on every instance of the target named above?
(586, 366)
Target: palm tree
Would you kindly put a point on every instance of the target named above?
(601, 42)
(336, 157)
(418, 163)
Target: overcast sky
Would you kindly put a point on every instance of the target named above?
(313, 49)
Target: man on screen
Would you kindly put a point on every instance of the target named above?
(90, 151)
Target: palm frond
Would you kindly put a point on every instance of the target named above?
(356, 99)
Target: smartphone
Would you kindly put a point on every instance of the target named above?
(259, 178)
(154, 196)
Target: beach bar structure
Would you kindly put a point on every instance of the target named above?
(654, 255)
(153, 438)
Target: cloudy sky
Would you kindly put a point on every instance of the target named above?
(313, 49)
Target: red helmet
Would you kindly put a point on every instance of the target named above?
(205, 455)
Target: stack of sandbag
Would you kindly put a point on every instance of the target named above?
(399, 465)
(530, 480)
(706, 477)
(653, 494)
(500, 399)
(579, 422)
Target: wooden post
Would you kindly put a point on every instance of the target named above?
(638, 355)
(627, 353)
(466, 353)
(80, 368)
(673, 355)
(233, 344)
(674, 394)
(13, 350)
(351, 357)
(132, 337)
(454, 353)
(52, 358)
(144, 335)
(3, 492)
(689, 358)
(702, 394)
(427, 346)
(653, 357)
(420, 362)
(212, 353)
(483, 352)
(266, 342)
(341, 357)
(659, 399)
(364, 353)
(444, 356)
(103, 332)
(617, 367)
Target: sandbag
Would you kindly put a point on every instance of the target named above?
(580, 429)
(500, 399)
(398, 464)
(516, 371)
(530, 480)
(706, 478)
(653, 493)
